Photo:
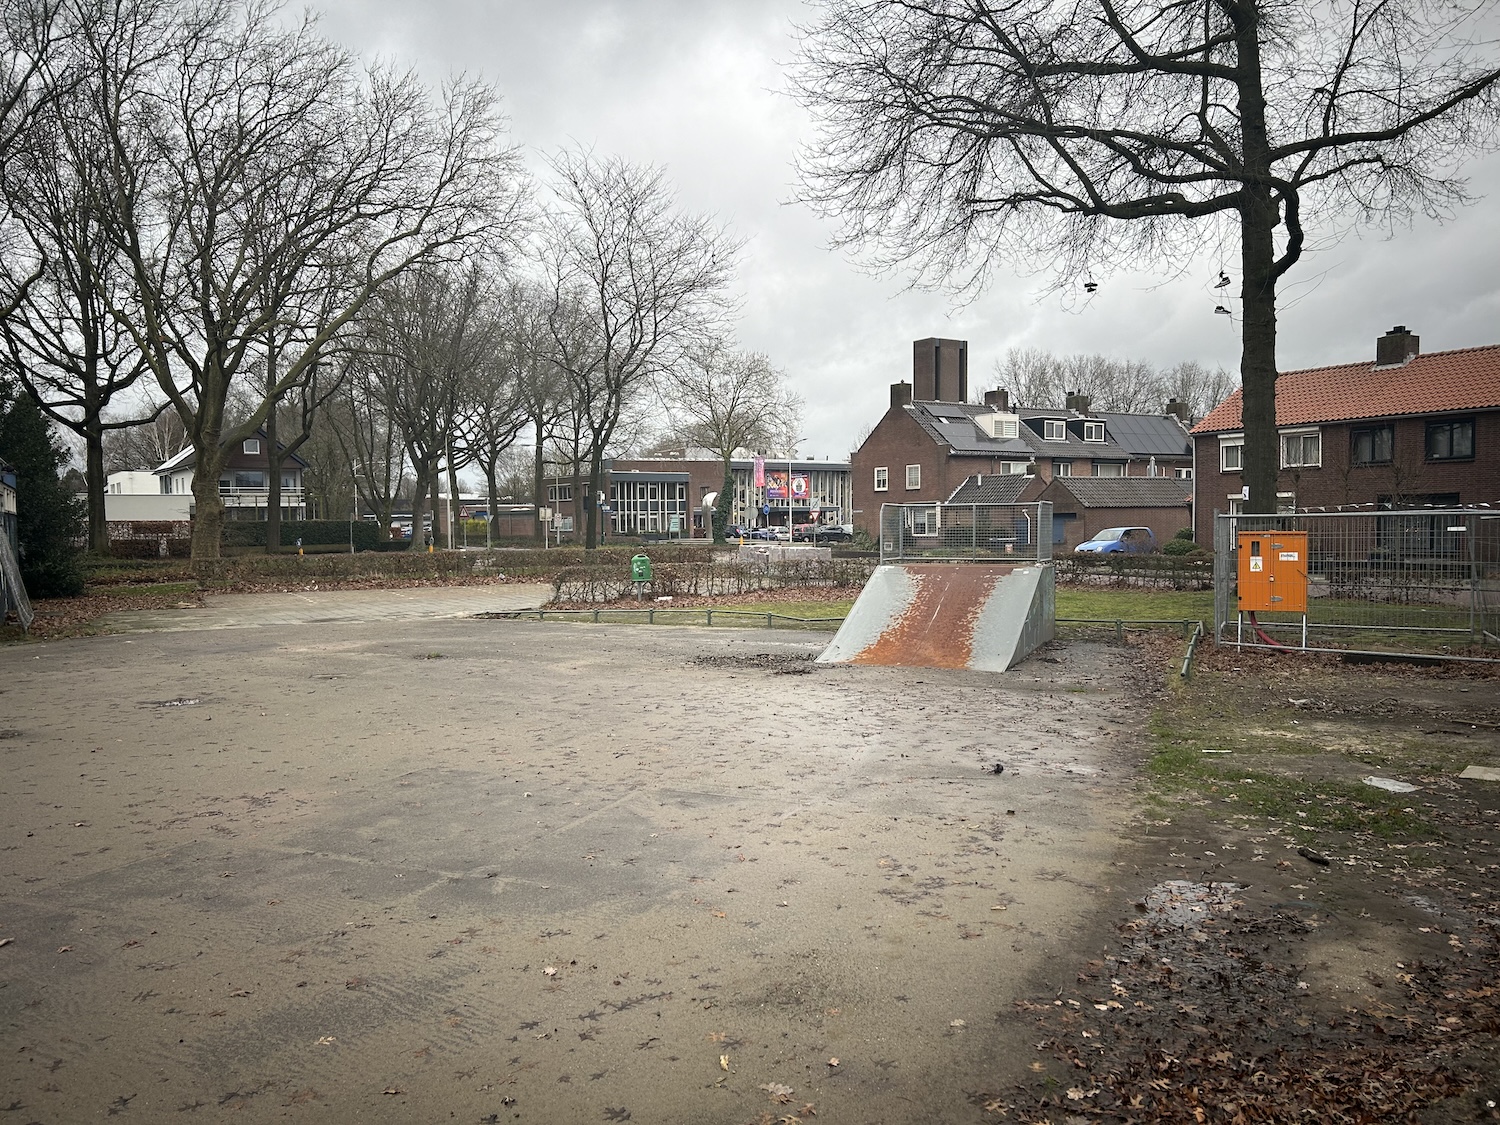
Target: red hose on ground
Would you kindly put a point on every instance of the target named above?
(1263, 635)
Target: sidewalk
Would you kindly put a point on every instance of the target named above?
(230, 611)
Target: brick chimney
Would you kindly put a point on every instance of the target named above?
(1076, 401)
(940, 370)
(1397, 347)
(1180, 409)
(900, 395)
(998, 400)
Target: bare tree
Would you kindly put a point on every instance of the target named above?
(531, 317)
(1199, 387)
(145, 445)
(960, 134)
(374, 452)
(1040, 380)
(62, 278)
(722, 400)
(649, 279)
(280, 185)
(30, 31)
(426, 334)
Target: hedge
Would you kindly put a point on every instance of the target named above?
(252, 533)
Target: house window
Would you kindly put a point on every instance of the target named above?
(1062, 468)
(1372, 446)
(1451, 440)
(166, 485)
(1053, 430)
(252, 445)
(1183, 474)
(1304, 450)
(288, 480)
(882, 479)
(924, 521)
(913, 476)
(1231, 454)
(1108, 469)
(249, 479)
(560, 492)
(1093, 431)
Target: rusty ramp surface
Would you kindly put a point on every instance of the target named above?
(968, 615)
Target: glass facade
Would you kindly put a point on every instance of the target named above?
(645, 503)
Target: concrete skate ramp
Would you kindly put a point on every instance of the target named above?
(969, 615)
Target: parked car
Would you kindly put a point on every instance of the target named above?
(1120, 541)
(735, 531)
(763, 533)
(820, 533)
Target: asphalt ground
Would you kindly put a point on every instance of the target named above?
(369, 863)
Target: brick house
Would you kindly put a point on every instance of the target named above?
(930, 441)
(1406, 430)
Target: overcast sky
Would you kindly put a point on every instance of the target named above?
(699, 86)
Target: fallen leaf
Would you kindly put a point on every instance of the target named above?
(549, 971)
(327, 1040)
(957, 1023)
(239, 992)
(65, 949)
(780, 1094)
(393, 1090)
(723, 1062)
(833, 1062)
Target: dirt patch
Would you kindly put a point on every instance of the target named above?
(936, 630)
(1252, 982)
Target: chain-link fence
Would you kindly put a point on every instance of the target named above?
(966, 532)
(1421, 582)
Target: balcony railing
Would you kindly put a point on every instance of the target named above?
(257, 497)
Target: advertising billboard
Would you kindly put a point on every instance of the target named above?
(776, 486)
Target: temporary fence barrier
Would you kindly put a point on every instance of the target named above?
(1417, 582)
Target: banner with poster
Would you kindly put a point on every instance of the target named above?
(776, 486)
(760, 472)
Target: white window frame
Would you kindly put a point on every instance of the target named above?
(923, 521)
(1062, 468)
(1235, 442)
(1093, 431)
(252, 445)
(1300, 437)
(1117, 470)
(1054, 430)
(882, 478)
(1182, 473)
(913, 478)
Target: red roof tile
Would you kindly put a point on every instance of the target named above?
(1466, 379)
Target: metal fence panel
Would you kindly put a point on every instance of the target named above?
(1416, 582)
(966, 532)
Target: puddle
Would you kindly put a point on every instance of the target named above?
(1178, 902)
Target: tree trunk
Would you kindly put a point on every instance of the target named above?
(720, 520)
(596, 485)
(94, 474)
(491, 497)
(1258, 219)
(208, 511)
(422, 473)
(538, 487)
(577, 505)
(437, 505)
(273, 485)
(454, 509)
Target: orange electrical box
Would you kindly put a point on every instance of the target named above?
(1273, 571)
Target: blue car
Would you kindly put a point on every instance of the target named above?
(1120, 541)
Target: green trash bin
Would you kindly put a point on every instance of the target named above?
(640, 569)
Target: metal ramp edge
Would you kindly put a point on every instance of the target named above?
(948, 616)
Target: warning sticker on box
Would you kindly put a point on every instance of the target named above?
(1288, 556)
(1255, 562)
